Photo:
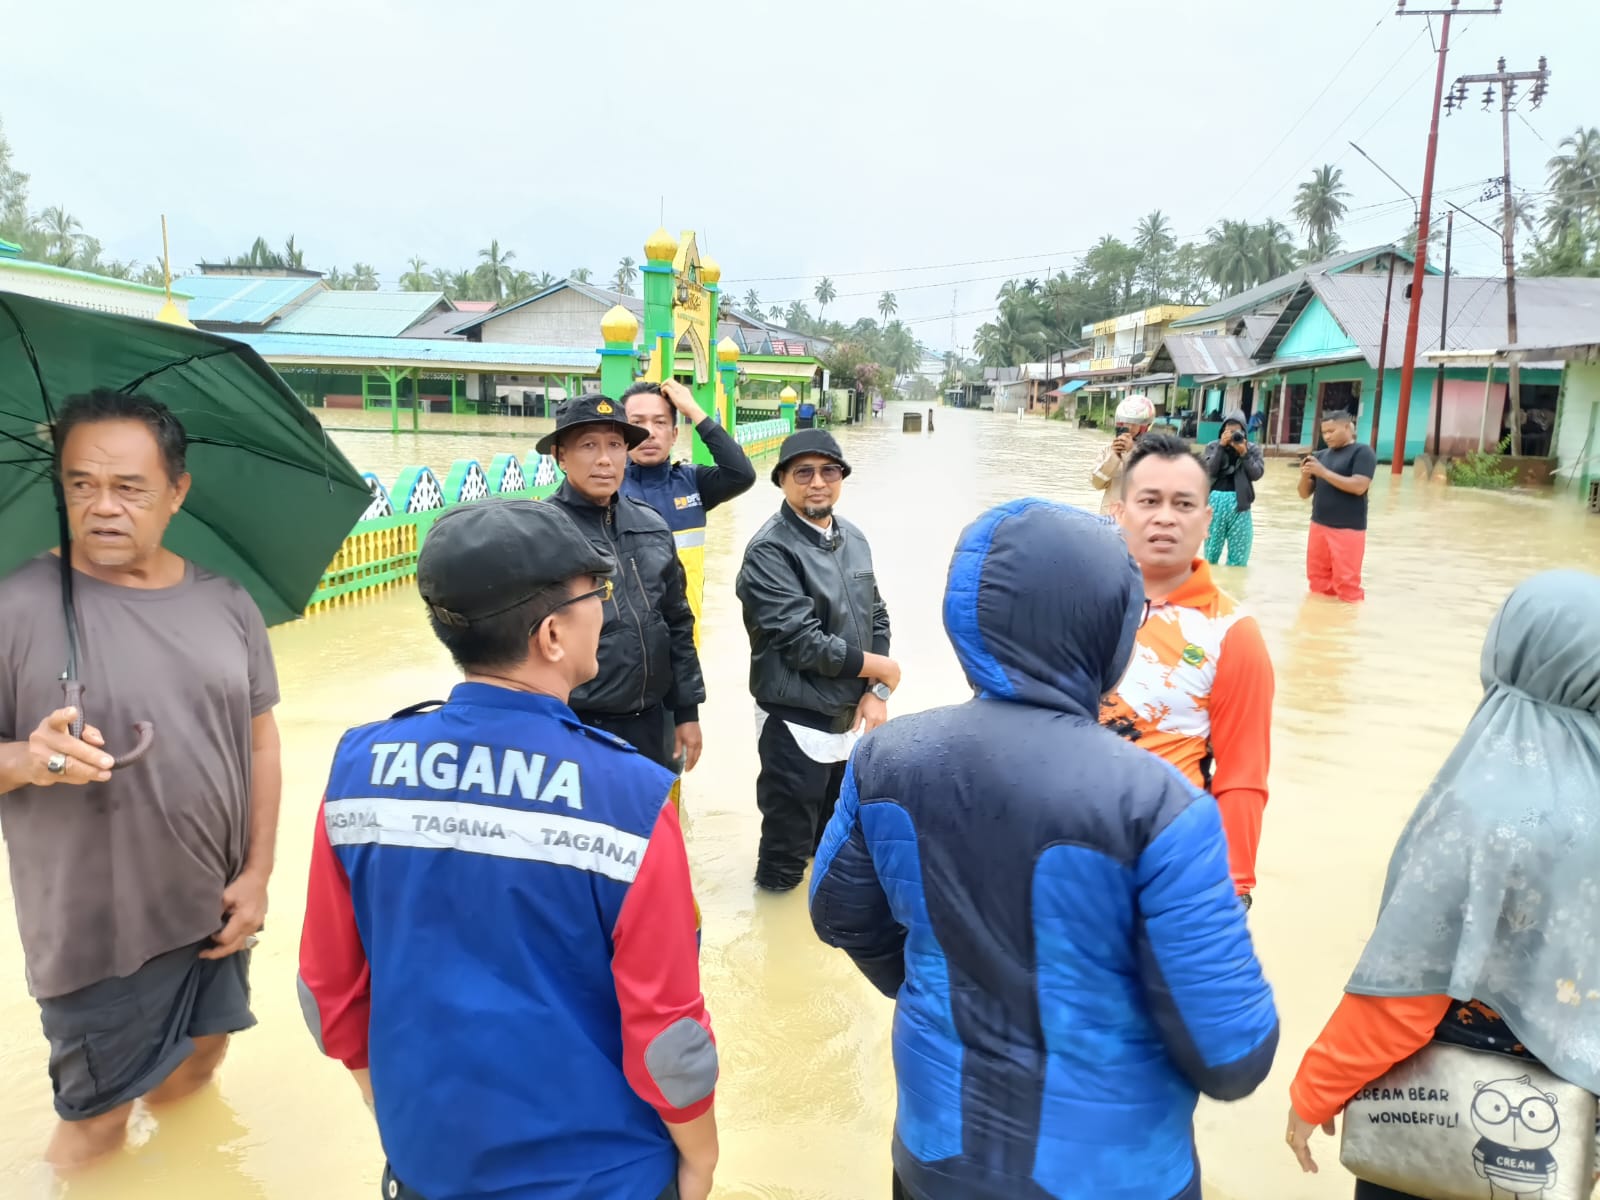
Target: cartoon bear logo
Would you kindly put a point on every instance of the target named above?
(1517, 1124)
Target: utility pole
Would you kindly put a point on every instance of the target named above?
(1408, 364)
(1383, 354)
(1444, 329)
(1507, 80)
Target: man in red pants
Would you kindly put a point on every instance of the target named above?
(1335, 479)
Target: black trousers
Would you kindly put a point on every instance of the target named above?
(796, 798)
(651, 732)
(393, 1189)
(1371, 1191)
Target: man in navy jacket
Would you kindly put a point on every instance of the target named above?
(1050, 905)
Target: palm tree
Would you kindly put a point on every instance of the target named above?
(1231, 257)
(1274, 249)
(336, 279)
(902, 351)
(463, 286)
(797, 316)
(439, 281)
(63, 231)
(417, 278)
(292, 255)
(363, 278)
(545, 280)
(825, 293)
(581, 274)
(752, 301)
(1521, 215)
(1155, 244)
(497, 272)
(775, 312)
(887, 305)
(1574, 182)
(627, 272)
(1319, 206)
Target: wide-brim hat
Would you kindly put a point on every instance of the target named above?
(591, 409)
(808, 441)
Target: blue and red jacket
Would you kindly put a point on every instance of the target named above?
(501, 927)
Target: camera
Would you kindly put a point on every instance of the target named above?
(1237, 438)
(1123, 430)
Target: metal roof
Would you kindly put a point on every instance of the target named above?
(1283, 285)
(503, 358)
(438, 325)
(1205, 357)
(28, 266)
(242, 299)
(360, 314)
(1551, 311)
(603, 296)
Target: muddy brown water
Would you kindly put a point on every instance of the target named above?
(1369, 701)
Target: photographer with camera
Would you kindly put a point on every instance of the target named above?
(1134, 417)
(1234, 463)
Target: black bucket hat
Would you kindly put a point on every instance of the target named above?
(591, 409)
(808, 441)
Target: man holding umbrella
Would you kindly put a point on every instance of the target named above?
(140, 884)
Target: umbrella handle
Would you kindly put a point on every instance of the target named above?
(143, 730)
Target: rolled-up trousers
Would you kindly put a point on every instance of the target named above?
(1333, 561)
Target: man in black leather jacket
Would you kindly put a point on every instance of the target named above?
(649, 688)
(820, 669)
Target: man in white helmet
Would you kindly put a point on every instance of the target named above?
(1134, 417)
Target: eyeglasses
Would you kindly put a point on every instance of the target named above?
(831, 473)
(604, 591)
(1144, 619)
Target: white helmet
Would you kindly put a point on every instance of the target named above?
(1136, 410)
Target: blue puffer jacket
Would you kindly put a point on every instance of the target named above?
(1049, 904)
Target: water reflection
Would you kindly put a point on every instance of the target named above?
(1370, 699)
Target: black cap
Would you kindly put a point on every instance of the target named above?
(592, 409)
(483, 558)
(808, 441)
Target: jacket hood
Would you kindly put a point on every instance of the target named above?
(1042, 605)
(1235, 416)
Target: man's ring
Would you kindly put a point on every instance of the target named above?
(57, 764)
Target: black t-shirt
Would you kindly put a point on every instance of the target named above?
(1340, 510)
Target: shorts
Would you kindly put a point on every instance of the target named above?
(391, 1188)
(115, 1040)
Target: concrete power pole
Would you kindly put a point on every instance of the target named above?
(1507, 81)
(1408, 364)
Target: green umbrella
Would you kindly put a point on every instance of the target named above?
(272, 498)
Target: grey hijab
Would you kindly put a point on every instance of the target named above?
(1493, 891)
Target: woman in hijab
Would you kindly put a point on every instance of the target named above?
(1234, 463)
(1489, 929)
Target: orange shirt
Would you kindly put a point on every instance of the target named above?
(1199, 694)
(1364, 1038)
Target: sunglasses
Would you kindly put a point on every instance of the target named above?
(831, 473)
(604, 591)
(1144, 619)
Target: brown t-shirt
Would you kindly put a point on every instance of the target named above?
(109, 875)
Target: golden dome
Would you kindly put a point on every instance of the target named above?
(727, 351)
(661, 247)
(788, 395)
(619, 325)
(169, 315)
(710, 270)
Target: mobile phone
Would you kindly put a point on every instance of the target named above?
(1122, 430)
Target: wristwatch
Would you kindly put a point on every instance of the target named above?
(881, 691)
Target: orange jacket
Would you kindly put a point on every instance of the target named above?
(1364, 1038)
(1199, 694)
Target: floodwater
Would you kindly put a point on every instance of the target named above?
(1370, 700)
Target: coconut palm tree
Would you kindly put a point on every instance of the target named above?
(417, 278)
(902, 352)
(521, 283)
(63, 232)
(292, 255)
(1232, 256)
(627, 272)
(581, 274)
(1274, 249)
(1319, 206)
(752, 301)
(439, 280)
(463, 286)
(775, 312)
(797, 315)
(887, 305)
(545, 280)
(1574, 182)
(336, 279)
(1155, 243)
(825, 293)
(363, 278)
(496, 268)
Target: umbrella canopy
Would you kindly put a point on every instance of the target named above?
(272, 498)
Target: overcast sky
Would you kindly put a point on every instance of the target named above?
(909, 147)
